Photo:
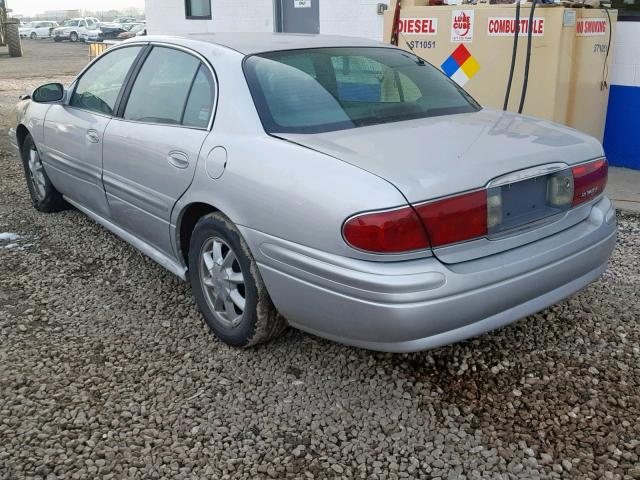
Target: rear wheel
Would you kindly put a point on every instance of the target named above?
(227, 285)
(44, 195)
(73, 37)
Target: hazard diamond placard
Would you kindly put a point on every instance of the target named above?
(460, 66)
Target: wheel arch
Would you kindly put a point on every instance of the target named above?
(21, 134)
(187, 220)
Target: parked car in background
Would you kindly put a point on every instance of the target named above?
(112, 31)
(347, 185)
(133, 30)
(39, 29)
(74, 28)
(125, 20)
(106, 31)
(23, 28)
(94, 35)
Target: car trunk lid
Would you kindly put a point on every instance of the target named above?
(437, 157)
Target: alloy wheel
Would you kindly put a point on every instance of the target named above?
(36, 173)
(223, 282)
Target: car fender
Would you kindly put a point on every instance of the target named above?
(271, 193)
(31, 116)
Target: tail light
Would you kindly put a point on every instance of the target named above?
(455, 219)
(467, 216)
(589, 180)
(391, 231)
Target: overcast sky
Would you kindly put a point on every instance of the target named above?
(32, 7)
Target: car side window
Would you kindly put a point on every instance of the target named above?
(98, 88)
(199, 106)
(160, 91)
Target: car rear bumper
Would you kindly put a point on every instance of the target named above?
(421, 304)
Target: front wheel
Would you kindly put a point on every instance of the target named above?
(34, 36)
(44, 195)
(227, 285)
(73, 37)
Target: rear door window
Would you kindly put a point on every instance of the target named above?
(199, 106)
(161, 90)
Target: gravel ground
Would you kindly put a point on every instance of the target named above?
(107, 371)
(42, 61)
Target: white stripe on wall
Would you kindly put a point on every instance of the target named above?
(626, 55)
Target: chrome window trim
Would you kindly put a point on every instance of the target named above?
(74, 83)
(121, 119)
(205, 62)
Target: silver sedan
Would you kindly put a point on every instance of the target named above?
(341, 186)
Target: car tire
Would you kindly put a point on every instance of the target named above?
(33, 36)
(56, 39)
(12, 39)
(239, 311)
(44, 195)
(73, 37)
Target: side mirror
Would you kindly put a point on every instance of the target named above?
(49, 93)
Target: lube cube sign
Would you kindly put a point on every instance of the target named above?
(462, 26)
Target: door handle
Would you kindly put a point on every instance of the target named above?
(178, 159)
(93, 136)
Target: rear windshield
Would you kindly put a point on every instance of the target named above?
(324, 89)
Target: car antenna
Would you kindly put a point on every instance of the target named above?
(396, 33)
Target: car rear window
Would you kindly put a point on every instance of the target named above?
(324, 89)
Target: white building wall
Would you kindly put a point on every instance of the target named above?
(622, 130)
(168, 17)
(357, 18)
(339, 17)
(626, 55)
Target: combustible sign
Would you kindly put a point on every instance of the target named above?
(506, 26)
(418, 26)
(591, 27)
(460, 66)
(462, 26)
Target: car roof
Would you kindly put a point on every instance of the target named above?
(250, 43)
